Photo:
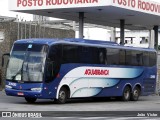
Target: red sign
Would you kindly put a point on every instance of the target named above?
(128, 3)
(96, 72)
(30, 3)
(139, 4)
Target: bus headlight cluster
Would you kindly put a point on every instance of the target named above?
(7, 86)
(36, 89)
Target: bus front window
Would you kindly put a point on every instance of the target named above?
(15, 66)
(27, 63)
(33, 67)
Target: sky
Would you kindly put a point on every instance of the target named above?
(4, 11)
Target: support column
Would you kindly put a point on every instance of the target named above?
(74, 25)
(155, 37)
(113, 34)
(151, 38)
(81, 24)
(122, 23)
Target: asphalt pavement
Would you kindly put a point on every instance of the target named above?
(147, 108)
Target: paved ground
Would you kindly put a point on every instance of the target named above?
(147, 103)
(151, 104)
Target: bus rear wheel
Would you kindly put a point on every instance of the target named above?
(135, 95)
(30, 100)
(126, 94)
(62, 96)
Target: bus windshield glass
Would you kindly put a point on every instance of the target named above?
(27, 63)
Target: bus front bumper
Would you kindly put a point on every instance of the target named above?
(23, 93)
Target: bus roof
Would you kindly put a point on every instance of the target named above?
(77, 41)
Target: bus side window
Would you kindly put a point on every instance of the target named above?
(102, 55)
(122, 57)
(137, 58)
(128, 57)
(70, 54)
(112, 56)
(134, 58)
(85, 55)
(152, 59)
(53, 62)
(146, 59)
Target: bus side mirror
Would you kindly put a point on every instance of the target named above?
(6, 54)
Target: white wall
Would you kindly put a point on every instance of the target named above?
(104, 34)
(95, 34)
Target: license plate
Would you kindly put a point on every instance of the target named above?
(20, 93)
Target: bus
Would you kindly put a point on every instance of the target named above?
(61, 69)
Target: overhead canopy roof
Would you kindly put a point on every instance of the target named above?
(138, 14)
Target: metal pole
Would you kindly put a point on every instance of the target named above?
(39, 29)
(122, 23)
(35, 30)
(21, 29)
(30, 29)
(81, 24)
(18, 30)
(44, 30)
(25, 30)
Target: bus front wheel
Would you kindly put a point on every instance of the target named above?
(62, 96)
(126, 94)
(135, 95)
(30, 100)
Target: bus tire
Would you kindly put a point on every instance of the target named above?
(135, 94)
(126, 94)
(62, 96)
(30, 100)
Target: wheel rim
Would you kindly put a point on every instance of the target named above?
(62, 96)
(126, 94)
(136, 93)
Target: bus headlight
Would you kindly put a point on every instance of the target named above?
(36, 89)
(7, 86)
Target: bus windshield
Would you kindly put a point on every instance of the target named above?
(27, 63)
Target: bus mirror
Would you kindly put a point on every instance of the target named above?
(6, 54)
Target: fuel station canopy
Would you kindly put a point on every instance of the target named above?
(138, 14)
